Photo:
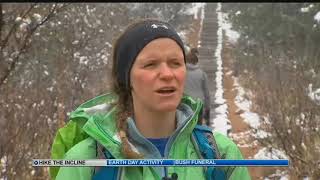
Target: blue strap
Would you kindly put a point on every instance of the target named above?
(200, 132)
(203, 128)
(206, 148)
(218, 174)
(106, 172)
(203, 134)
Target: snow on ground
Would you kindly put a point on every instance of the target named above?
(242, 137)
(220, 123)
(314, 95)
(272, 153)
(195, 8)
(232, 35)
(201, 23)
(281, 175)
(253, 120)
(260, 134)
(3, 164)
(317, 17)
(182, 35)
(306, 9)
(244, 104)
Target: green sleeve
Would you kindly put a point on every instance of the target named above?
(79, 173)
(65, 138)
(86, 149)
(229, 150)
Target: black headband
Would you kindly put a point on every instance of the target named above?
(135, 39)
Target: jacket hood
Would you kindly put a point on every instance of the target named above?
(192, 66)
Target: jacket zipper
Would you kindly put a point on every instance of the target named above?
(119, 174)
(171, 140)
(196, 146)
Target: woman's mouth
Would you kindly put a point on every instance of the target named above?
(166, 91)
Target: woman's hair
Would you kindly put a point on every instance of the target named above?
(124, 103)
(192, 56)
(194, 51)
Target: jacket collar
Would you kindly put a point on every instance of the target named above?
(142, 145)
(101, 124)
(192, 66)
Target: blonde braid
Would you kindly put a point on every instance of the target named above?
(124, 112)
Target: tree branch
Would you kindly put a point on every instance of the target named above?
(13, 28)
(27, 39)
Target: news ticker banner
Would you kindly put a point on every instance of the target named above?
(160, 162)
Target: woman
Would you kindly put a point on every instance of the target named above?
(146, 116)
(197, 84)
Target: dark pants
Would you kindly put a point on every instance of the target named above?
(204, 115)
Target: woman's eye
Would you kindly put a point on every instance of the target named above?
(149, 65)
(176, 64)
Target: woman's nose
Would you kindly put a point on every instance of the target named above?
(166, 72)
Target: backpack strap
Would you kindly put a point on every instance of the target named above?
(209, 150)
(104, 172)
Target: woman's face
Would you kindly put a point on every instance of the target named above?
(158, 76)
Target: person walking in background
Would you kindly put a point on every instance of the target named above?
(197, 84)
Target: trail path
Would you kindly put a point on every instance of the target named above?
(240, 131)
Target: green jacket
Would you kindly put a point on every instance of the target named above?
(95, 121)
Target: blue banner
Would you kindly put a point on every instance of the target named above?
(197, 162)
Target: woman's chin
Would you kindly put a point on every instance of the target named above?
(168, 107)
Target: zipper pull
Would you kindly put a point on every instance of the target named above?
(174, 176)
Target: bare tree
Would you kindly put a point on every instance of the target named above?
(53, 58)
(279, 50)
